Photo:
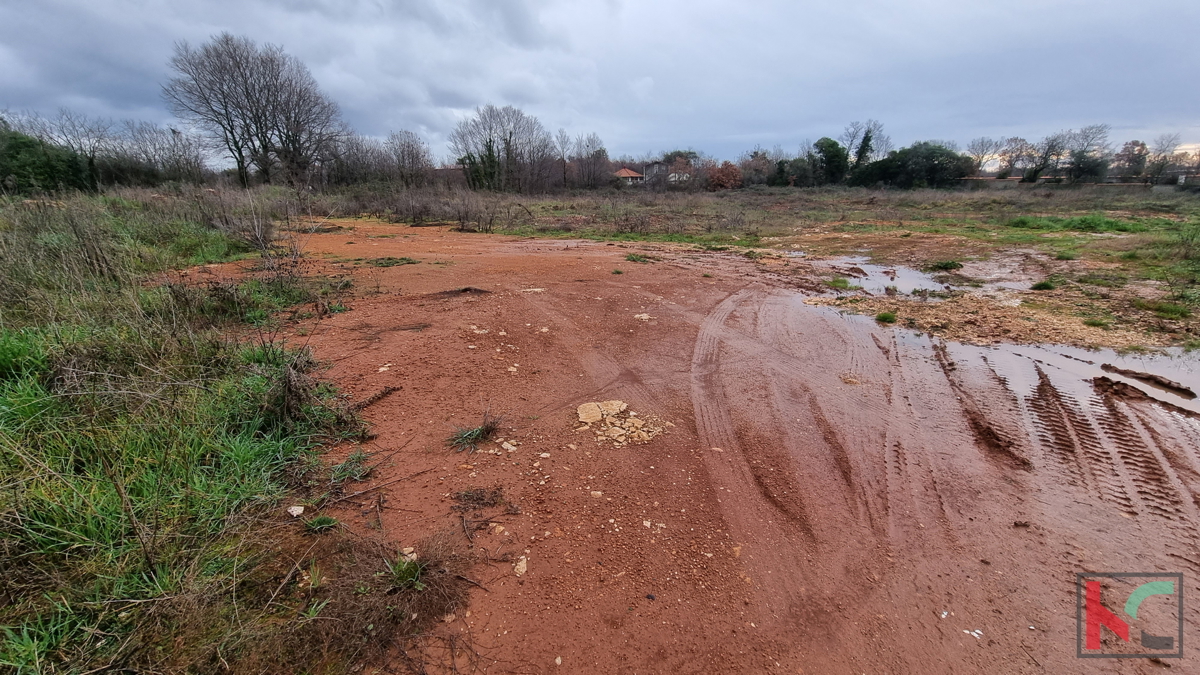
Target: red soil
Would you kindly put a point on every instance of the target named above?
(834, 496)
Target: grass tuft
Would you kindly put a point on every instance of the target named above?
(469, 438)
(405, 573)
(1043, 286)
(886, 317)
(320, 524)
(392, 262)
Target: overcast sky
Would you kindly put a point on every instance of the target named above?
(652, 75)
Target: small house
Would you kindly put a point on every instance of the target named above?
(629, 176)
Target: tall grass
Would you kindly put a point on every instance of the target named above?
(135, 437)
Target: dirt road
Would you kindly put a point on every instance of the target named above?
(834, 496)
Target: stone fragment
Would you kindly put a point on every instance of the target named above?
(590, 412)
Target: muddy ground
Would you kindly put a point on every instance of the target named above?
(828, 494)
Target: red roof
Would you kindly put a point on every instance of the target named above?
(628, 173)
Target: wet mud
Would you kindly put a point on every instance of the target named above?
(833, 496)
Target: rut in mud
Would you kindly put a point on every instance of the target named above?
(835, 496)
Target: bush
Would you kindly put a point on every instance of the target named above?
(886, 317)
(922, 165)
(1042, 286)
(1088, 223)
(944, 266)
(29, 165)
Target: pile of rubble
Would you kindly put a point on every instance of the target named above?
(612, 423)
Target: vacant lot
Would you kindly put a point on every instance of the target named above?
(820, 491)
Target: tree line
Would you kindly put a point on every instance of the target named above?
(259, 109)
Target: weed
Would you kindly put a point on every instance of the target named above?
(320, 524)
(405, 572)
(392, 262)
(1163, 309)
(617, 271)
(886, 317)
(843, 284)
(706, 276)
(1044, 285)
(638, 258)
(469, 438)
(944, 266)
(1096, 323)
(1066, 255)
(478, 498)
(353, 468)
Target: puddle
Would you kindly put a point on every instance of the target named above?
(875, 279)
(1172, 377)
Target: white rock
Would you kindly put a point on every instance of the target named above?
(544, 455)
(521, 566)
(295, 511)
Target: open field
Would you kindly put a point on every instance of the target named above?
(791, 487)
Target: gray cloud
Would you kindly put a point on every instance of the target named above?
(649, 76)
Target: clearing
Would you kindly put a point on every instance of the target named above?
(822, 493)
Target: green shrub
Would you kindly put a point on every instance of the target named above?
(1088, 223)
(886, 317)
(1043, 286)
(1163, 309)
(944, 266)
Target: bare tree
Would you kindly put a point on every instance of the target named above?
(852, 136)
(260, 104)
(866, 140)
(522, 149)
(562, 147)
(412, 156)
(1015, 156)
(591, 160)
(304, 125)
(1162, 156)
(208, 92)
(1090, 140)
(984, 150)
(155, 154)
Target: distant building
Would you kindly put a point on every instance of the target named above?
(655, 169)
(629, 176)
